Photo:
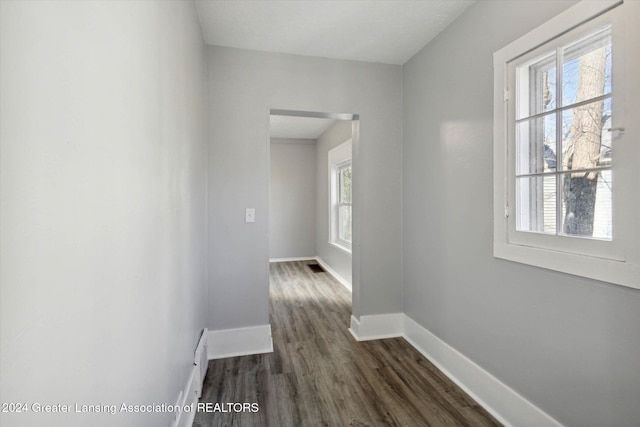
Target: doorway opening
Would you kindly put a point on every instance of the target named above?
(313, 191)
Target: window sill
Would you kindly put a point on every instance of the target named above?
(624, 273)
(343, 248)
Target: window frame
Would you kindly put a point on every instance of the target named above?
(339, 158)
(538, 190)
(617, 260)
(340, 203)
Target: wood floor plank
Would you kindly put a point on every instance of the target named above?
(318, 375)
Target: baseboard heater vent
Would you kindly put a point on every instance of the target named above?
(316, 268)
(201, 360)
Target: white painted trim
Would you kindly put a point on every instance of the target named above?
(301, 258)
(189, 400)
(500, 400)
(346, 283)
(578, 14)
(340, 247)
(239, 342)
(378, 326)
(201, 361)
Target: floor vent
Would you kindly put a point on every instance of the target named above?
(316, 268)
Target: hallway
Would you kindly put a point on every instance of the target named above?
(319, 375)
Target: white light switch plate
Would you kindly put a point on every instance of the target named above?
(250, 215)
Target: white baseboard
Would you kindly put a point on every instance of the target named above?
(189, 398)
(377, 326)
(193, 390)
(500, 400)
(302, 258)
(239, 342)
(346, 283)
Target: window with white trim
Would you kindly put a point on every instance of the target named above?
(566, 192)
(340, 191)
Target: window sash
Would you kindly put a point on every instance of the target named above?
(542, 197)
(609, 249)
(344, 200)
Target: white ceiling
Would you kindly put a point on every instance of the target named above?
(298, 127)
(387, 31)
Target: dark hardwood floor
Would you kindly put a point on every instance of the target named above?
(318, 375)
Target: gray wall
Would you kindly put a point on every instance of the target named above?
(292, 210)
(244, 86)
(337, 259)
(568, 344)
(103, 183)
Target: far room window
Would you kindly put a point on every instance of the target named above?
(340, 186)
(565, 165)
(344, 202)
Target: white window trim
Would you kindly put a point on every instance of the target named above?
(338, 156)
(618, 262)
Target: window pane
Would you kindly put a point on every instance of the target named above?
(586, 68)
(586, 142)
(345, 184)
(536, 86)
(344, 223)
(586, 204)
(536, 204)
(536, 145)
